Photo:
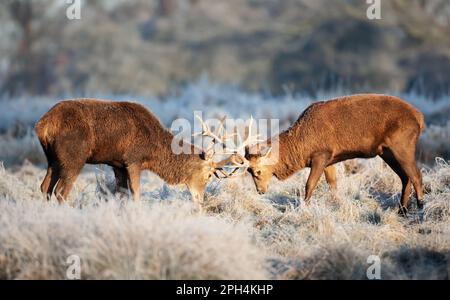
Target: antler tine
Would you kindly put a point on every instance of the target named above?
(221, 132)
(243, 166)
(249, 140)
(239, 166)
(249, 132)
(225, 136)
(221, 126)
(224, 174)
(206, 131)
(218, 136)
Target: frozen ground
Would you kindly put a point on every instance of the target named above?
(242, 235)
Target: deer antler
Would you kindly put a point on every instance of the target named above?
(249, 140)
(231, 162)
(216, 138)
(220, 137)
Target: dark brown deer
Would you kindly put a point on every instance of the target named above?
(358, 126)
(123, 135)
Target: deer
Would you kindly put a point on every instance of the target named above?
(125, 136)
(329, 132)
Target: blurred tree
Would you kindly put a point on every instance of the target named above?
(168, 8)
(145, 47)
(21, 12)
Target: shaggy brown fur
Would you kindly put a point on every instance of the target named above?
(125, 136)
(358, 126)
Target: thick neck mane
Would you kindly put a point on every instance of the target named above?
(294, 151)
(289, 159)
(172, 168)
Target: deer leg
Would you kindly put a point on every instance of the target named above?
(134, 177)
(46, 182)
(67, 178)
(406, 158)
(198, 196)
(389, 158)
(318, 165)
(121, 180)
(70, 161)
(330, 176)
(416, 178)
(52, 175)
(50, 180)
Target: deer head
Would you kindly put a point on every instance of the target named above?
(209, 166)
(256, 160)
(259, 166)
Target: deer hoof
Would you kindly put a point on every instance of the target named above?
(420, 204)
(403, 211)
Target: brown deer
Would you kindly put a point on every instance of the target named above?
(123, 135)
(358, 126)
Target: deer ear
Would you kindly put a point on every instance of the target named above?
(247, 152)
(202, 155)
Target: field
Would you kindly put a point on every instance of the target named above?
(242, 235)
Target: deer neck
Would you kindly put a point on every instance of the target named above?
(171, 167)
(292, 155)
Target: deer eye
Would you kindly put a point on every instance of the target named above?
(258, 173)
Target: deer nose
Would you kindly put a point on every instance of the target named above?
(261, 192)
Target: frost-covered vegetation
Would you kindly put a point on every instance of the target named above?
(18, 115)
(242, 235)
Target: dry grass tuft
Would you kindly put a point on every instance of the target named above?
(241, 236)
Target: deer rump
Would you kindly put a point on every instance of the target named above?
(93, 131)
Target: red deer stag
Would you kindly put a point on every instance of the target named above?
(123, 135)
(358, 126)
